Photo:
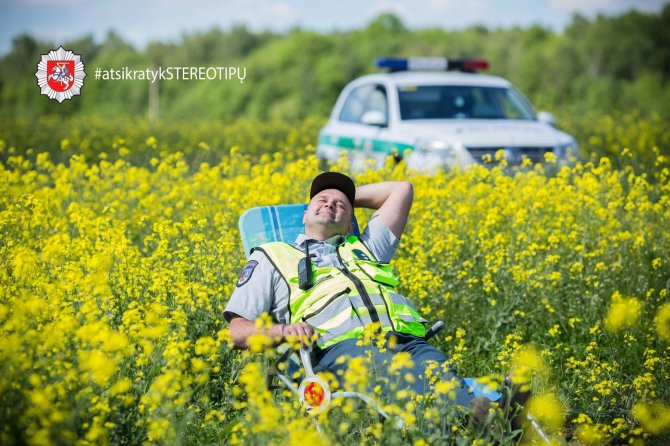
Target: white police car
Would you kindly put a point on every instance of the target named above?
(444, 118)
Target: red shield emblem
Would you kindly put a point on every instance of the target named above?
(60, 74)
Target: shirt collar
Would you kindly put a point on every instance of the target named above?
(333, 241)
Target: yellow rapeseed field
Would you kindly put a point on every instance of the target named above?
(114, 275)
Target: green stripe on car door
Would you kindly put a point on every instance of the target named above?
(378, 145)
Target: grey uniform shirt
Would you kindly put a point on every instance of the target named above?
(261, 289)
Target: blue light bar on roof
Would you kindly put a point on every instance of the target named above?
(413, 63)
(430, 64)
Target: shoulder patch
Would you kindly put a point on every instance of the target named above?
(246, 273)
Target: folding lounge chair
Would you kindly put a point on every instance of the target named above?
(284, 223)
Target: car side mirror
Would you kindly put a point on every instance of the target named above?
(374, 117)
(547, 118)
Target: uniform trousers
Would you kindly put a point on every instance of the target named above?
(421, 353)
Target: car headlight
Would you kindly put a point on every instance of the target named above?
(432, 153)
(433, 145)
(437, 150)
(567, 152)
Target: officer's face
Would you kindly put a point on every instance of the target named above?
(330, 210)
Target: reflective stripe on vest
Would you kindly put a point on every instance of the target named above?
(342, 301)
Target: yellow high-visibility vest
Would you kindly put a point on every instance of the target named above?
(342, 301)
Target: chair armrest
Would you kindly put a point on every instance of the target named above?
(432, 331)
(306, 358)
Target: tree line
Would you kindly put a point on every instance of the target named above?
(600, 64)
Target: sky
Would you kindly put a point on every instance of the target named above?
(142, 21)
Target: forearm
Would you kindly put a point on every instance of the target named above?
(373, 196)
(241, 329)
(391, 199)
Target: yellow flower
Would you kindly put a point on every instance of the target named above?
(525, 363)
(590, 434)
(548, 409)
(654, 417)
(400, 361)
(623, 312)
(550, 158)
(98, 366)
(215, 415)
(198, 365)
(121, 386)
(157, 429)
(356, 376)
(204, 346)
(25, 263)
(259, 342)
(447, 388)
(662, 322)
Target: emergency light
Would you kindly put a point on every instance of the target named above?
(430, 64)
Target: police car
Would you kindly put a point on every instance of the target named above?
(438, 113)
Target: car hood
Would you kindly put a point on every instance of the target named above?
(486, 133)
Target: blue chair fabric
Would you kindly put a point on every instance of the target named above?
(282, 223)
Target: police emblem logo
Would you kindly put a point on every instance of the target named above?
(60, 74)
(246, 273)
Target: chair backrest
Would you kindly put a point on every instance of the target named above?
(281, 223)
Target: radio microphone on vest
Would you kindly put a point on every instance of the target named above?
(305, 280)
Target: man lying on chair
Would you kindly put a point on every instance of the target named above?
(350, 285)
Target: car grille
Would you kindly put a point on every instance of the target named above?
(514, 155)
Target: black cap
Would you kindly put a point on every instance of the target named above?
(334, 180)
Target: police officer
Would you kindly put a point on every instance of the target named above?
(330, 284)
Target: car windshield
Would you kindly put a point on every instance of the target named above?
(462, 102)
